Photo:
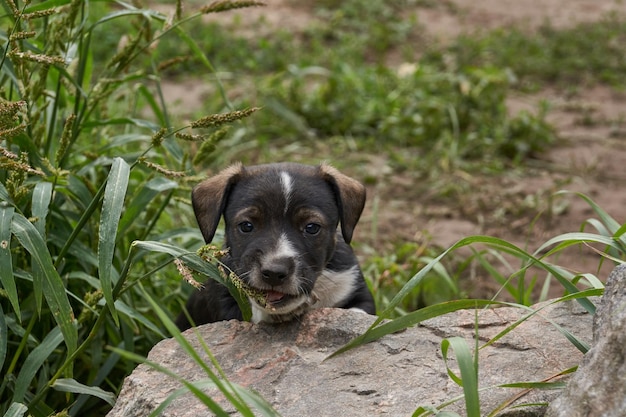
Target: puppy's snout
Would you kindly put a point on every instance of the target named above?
(277, 271)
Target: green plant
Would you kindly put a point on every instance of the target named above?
(585, 54)
(90, 162)
(236, 395)
(453, 119)
(388, 273)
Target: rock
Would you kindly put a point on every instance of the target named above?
(392, 376)
(598, 388)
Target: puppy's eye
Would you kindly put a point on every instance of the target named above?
(245, 227)
(312, 228)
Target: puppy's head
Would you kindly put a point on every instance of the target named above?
(280, 225)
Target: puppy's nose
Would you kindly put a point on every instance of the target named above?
(277, 271)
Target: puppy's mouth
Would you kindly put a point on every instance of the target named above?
(277, 303)
(277, 298)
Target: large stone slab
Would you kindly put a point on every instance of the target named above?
(394, 375)
(599, 386)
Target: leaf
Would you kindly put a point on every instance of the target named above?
(45, 5)
(6, 263)
(258, 402)
(131, 12)
(142, 198)
(208, 401)
(229, 390)
(4, 337)
(424, 411)
(159, 113)
(4, 194)
(136, 315)
(579, 344)
(123, 121)
(411, 319)
(198, 264)
(53, 288)
(71, 385)
(33, 362)
(535, 385)
(16, 410)
(469, 372)
(609, 221)
(42, 194)
(76, 186)
(112, 207)
(569, 239)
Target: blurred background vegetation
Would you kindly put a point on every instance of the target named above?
(109, 114)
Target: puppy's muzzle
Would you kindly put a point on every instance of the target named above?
(278, 271)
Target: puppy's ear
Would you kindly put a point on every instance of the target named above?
(350, 198)
(209, 199)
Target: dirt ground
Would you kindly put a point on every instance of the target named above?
(589, 158)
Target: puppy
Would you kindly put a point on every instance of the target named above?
(281, 231)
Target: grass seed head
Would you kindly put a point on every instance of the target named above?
(220, 119)
(162, 170)
(187, 274)
(66, 137)
(224, 5)
(157, 138)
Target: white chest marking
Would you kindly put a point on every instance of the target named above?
(332, 287)
(287, 185)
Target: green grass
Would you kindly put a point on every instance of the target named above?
(96, 168)
(85, 173)
(584, 55)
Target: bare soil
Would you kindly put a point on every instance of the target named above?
(518, 207)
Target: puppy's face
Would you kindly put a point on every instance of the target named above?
(281, 226)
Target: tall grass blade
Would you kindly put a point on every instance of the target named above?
(6, 263)
(609, 221)
(71, 385)
(208, 401)
(528, 260)
(426, 411)
(198, 264)
(580, 345)
(411, 319)
(45, 5)
(223, 385)
(124, 309)
(469, 372)
(42, 194)
(528, 386)
(131, 11)
(112, 207)
(141, 200)
(53, 287)
(4, 194)
(569, 239)
(4, 337)
(254, 399)
(232, 393)
(16, 410)
(34, 361)
(535, 385)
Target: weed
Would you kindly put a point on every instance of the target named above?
(585, 54)
(84, 174)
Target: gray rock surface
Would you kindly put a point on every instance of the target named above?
(599, 386)
(391, 376)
